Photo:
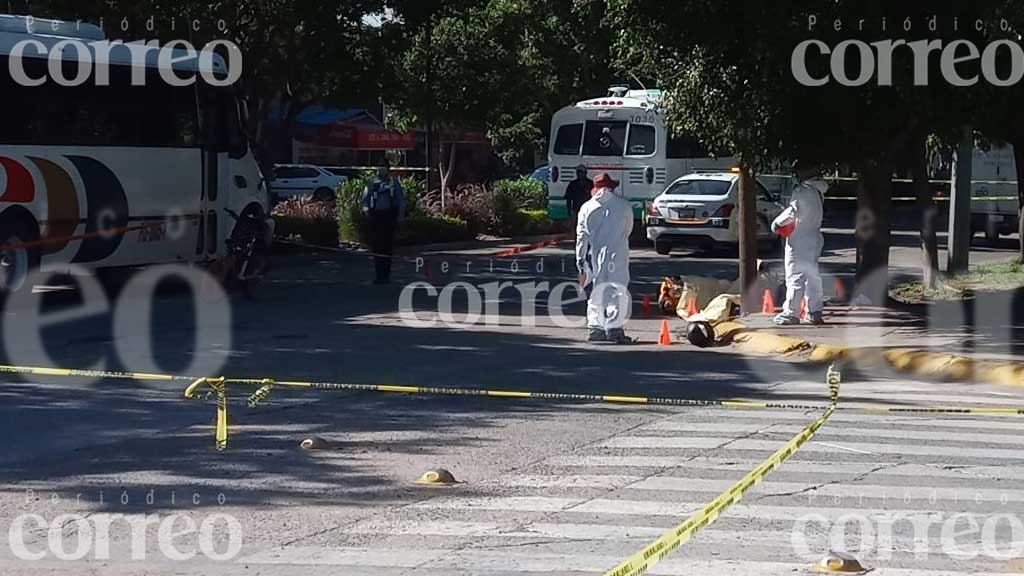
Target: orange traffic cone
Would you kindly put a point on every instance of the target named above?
(768, 303)
(691, 307)
(803, 308)
(646, 304)
(840, 289)
(665, 338)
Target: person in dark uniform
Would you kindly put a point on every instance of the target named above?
(384, 206)
(577, 193)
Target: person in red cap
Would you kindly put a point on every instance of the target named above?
(602, 234)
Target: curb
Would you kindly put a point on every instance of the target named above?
(919, 362)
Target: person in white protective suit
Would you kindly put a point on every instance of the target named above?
(802, 221)
(602, 258)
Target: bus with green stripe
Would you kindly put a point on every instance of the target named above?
(623, 133)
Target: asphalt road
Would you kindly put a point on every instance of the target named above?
(549, 486)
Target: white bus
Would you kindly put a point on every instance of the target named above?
(624, 134)
(120, 174)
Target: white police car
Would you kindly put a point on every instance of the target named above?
(702, 210)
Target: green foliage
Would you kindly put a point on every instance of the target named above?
(434, 229)
(536, 222)
(312, 222)
(504, 66)
(351, 220)
(529, 194)
(505, 216)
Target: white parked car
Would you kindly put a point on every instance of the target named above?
(702, 210)
(304, 180)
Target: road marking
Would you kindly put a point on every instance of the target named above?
(565, 481)
(838, 447)
(742, 428)
(517, 503)
(904, 492)
(867, 418)
(436, 561)
(659, 442)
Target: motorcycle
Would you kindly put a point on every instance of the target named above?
(248, 254)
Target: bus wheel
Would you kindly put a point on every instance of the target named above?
(323, 195)
(16, 260)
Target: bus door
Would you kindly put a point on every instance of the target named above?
(213, 220)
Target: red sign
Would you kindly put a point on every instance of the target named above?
(358, 138)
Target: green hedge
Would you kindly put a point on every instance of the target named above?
(536, 222)
(419, 227)
(527, 193)
(434, 229)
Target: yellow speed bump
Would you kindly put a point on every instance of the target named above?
(438, 477)
(838, 563)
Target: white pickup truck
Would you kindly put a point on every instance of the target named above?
(994, 193)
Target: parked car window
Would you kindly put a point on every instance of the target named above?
(763, 193)
(568, 139)
(642, 140)
(699, 188)
(604, 138)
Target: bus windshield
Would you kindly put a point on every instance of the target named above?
(604, 138)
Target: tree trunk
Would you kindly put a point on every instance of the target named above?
(926, 206)
(748, 241)
(446, 171)
(1018, 161)
(874, 199)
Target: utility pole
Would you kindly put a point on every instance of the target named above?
(960, 205)
(748, 241)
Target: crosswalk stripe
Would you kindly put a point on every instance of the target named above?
(892, 468)
(540, 532)
(565, 481)
(931, 494)
(739, 427)
(631, 507)
(506, 561)
(640, 442)
(516, 503)
(783, 395)
(1014, 423)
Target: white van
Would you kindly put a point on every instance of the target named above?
(119, 174)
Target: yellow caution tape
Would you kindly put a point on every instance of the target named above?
(219, 387)
(42, 371)
(655, 551)
(267, 384)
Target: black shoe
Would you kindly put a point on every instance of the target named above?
(597, 335)
(816, 318)
(619, 337)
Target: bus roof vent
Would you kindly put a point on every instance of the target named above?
(28, 25)
(618, 91)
